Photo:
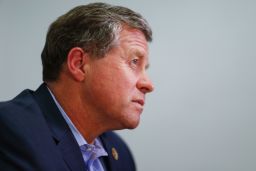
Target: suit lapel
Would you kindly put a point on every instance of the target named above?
(109, 161)
(71, 152)
(61, 133)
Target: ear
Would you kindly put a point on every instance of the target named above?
(75, 61)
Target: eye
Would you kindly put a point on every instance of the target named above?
(135, 61)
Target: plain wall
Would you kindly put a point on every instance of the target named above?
(202, 114)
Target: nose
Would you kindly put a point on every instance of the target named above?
(144, 84)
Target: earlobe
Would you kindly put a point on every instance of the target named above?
(75, 62)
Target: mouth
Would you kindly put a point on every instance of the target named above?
(139, 101)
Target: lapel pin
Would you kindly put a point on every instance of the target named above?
(114, 153)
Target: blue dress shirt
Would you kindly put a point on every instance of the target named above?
(90, 152)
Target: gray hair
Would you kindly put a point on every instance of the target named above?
(94, 27)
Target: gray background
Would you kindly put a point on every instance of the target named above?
(201, 116)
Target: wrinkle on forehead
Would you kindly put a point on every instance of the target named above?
(133, 36)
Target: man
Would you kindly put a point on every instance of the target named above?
(94, 72)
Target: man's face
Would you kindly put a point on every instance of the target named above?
(116, 85)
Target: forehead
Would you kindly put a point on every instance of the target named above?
(134, 41)
(133, 37)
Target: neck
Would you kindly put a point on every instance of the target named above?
(81, 115)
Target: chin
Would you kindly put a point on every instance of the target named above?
(133, 127)
(129, 120)
(132, 124)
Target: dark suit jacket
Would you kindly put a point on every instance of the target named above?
(35, 137)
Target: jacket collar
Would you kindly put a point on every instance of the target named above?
(61, 133)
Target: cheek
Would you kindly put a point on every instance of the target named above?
(114, 83)
(106, 87)
(125, 83)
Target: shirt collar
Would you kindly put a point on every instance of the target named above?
(79, 138)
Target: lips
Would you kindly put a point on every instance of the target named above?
(139, 101)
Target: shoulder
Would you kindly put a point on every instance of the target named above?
(22, 118)
(20, 102)
(26, 140)
(21, 108)
(20, 113)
